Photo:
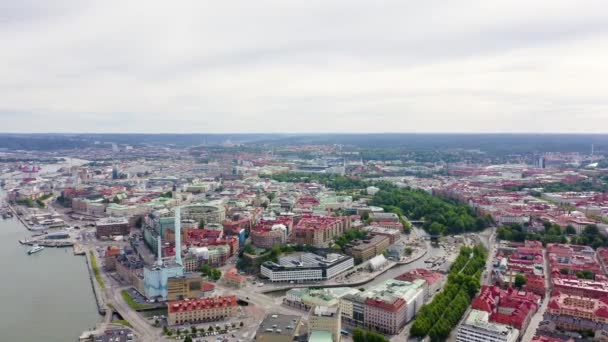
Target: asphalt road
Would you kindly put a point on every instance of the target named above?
(538, 316)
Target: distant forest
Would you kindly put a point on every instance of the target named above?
(489, 143)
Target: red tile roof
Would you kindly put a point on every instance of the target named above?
(201, 303)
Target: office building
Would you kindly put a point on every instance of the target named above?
(366, 249)
(111, 226)
(306, 267)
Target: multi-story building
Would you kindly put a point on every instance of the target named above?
(234, 279)
(433, 280)
(208, 212)
(319, 231)
(366, 249)
(131, 269)
(478, 328)
(385, 316)
(188, 286)
(573, 258)
(392, 234)
(386, 307)
(305, 298)
(280, 328)
(384, 217)
(323, 318)
(398, 226)
(201, 310)
(111, 255)
(111, 226)
(306, 267)
(276, 235)
(510, 307)
(581, 287)
(578, 313)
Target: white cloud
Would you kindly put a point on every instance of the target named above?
(304, 66)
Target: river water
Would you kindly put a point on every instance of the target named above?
(46, 296)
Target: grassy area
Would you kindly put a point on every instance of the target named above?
(131, 302)
(122, 322)
(96, 270)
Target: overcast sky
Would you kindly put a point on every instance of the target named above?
(304, 66)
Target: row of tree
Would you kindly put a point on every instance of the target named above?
(438, 318)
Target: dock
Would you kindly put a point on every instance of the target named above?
(47, 243)
(98, 291)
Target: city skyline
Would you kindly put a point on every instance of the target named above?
(304, 67)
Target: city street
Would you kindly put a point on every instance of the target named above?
(538, 316)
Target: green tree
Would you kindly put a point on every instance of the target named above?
(241, 324)
(201, 224)
(188, 339)
(210, 329)
(358, 335)
(193, 329)
(520, 281)
(570, 230)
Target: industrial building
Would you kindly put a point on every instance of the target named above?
(156, 277)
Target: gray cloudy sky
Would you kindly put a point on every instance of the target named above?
(303, 66)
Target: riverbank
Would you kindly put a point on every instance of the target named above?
(97, 284)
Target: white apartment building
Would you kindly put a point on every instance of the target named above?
(478, 328)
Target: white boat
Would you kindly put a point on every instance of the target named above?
(35, 249)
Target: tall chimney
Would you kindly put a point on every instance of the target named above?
(178, 236)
